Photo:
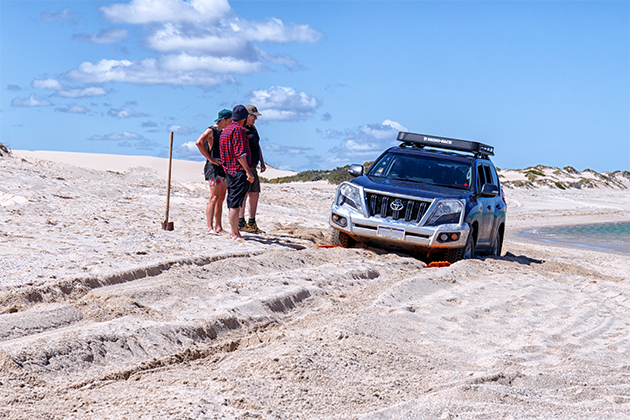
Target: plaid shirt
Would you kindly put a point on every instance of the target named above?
(234, 143)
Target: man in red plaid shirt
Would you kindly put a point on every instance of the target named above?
(236, 158)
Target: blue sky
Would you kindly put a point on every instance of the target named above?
(543, 82)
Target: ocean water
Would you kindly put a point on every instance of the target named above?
(607, 236)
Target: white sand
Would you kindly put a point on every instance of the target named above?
(105, 315)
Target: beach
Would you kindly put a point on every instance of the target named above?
(105, 315)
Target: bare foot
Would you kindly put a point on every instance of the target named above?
(238, 238)
(220, 231)
(211, 231)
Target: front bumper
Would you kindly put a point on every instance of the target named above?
(376, 230)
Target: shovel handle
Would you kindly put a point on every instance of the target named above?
(168, 181)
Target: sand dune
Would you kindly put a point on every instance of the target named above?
(181, 170)
(105, 315)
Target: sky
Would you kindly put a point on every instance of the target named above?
(544, 82)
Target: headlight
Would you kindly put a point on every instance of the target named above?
(350, 195)
(446, 212)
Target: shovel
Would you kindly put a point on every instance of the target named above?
(166, 225)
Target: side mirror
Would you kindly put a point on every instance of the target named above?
(489, 190)
(355, 170)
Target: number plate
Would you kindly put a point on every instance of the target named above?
(391, 233)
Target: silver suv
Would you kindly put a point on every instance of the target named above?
(435, 197)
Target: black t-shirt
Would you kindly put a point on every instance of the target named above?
(254, 144)
(210, 170)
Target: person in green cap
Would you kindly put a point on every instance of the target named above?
(208, 145)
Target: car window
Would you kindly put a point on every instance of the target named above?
(481, 177)
(489, 178)
(495, 176)
(415, 168)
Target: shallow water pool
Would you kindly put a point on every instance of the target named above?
(608, 236)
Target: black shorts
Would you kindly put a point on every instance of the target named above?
(254, 187)
(211, 171)
(237, 188)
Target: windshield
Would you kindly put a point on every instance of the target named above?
(440, 172)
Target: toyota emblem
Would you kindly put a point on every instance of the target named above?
(397, 205)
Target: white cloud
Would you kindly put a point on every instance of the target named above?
(64, 92)
(231, 38)
(213, 40)
(209, 44)
(274, 30)
(47, 84)
(63, 15)
(284, 104)
(145, 72)
(191, 146)
(73, 109)
(125, 135)
(382, 131)
(152, 11)
(185, 62)
(30, 102)
(184, 131)
(82, 93)
(106, 36)
(125, 112)
(186, 151)
(365, 142)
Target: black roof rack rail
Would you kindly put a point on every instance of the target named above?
(423, 140)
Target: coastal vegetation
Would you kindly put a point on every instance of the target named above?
(531, 177)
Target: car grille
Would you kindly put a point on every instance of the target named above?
(396, 208)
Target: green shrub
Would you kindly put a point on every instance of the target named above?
(334, 176)
(4, 151)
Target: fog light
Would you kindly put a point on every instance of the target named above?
(340, 220)
(448, 237)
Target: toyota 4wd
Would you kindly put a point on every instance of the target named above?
(435, 197)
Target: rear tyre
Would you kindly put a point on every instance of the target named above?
(498, 244)
(465, 253)
(342, 239)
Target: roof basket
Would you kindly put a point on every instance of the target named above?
(422, 140)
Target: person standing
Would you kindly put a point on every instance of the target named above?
(208, 145)
(236, 158)
(257, 157)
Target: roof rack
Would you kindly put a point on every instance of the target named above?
(422, 140)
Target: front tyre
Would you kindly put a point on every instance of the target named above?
(465, 253)
(342, 239)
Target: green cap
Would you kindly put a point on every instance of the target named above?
(224, 113)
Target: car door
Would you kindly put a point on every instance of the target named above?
(499, 206)
(486, 207)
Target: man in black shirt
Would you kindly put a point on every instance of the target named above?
(257, 157)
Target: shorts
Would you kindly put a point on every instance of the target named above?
(254, 187)
(216, 180)
(237, 188)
